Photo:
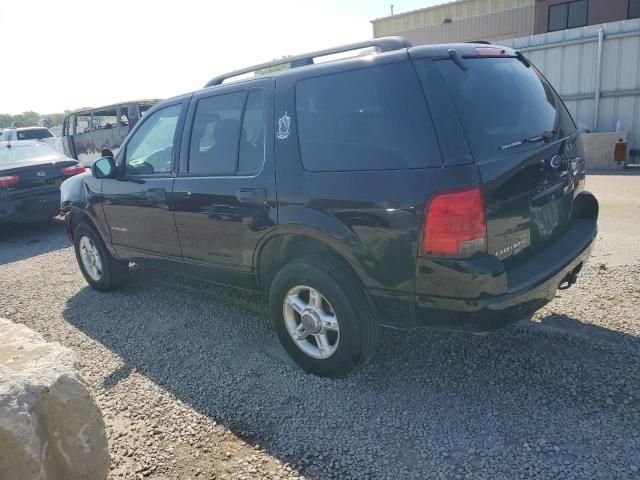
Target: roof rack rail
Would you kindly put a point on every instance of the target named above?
(383, 44)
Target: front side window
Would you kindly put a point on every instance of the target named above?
(124, 116)
(150, 150)
(634, 8)
(369, 119)
(83, 123)
(568, 15)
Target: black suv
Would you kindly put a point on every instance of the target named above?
(437, 185)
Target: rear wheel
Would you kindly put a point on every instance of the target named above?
(100, 270)
(322, 317)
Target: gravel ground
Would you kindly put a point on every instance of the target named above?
(193, 385)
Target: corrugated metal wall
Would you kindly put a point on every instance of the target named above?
(569, 60)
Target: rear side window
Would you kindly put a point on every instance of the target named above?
(500, 101)
(370, 119)
(252, 136)
(34, 134)
(215, 134)
(228, 134)
(83, 122)
(105, 120)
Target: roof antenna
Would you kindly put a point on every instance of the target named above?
(391, 10)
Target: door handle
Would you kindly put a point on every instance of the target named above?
(253, 196)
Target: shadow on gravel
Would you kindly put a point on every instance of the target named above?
(526, 402)
(20, 241)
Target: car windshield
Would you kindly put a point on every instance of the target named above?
(17, 153)
(34, 134)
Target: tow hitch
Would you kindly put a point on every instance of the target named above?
(570, 278)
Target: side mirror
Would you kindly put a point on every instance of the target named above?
(104, 168)
(106, 152)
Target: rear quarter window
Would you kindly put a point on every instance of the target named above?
(369, 119)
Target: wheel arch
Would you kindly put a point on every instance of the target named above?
(285, 245)
(74, 216)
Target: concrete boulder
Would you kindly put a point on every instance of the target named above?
(50, 426)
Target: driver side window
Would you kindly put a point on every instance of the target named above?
(150, 150)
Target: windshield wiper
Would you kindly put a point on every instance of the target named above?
(544, 136)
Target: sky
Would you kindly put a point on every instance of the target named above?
(68, 54)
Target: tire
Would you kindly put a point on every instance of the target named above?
(343, 304)
(110, 273)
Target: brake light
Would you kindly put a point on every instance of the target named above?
(491, 52)
(73, 170)
(8, 181)
(454, 224)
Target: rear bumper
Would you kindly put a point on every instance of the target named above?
(30, 209)
(526, 288)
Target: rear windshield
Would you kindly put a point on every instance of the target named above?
(34, 134)
(501, 101)
(369, 119)
(17, 153)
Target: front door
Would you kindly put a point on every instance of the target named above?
(138, 204)
(224, 196)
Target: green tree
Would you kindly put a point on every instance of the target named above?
(27, 119)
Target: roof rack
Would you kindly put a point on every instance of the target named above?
(383, 44)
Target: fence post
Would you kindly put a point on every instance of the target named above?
(598, 78)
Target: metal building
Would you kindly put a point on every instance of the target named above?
(493, 20)
(596, 70)
(461, 21)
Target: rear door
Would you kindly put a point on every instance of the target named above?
(225, 195)
(83, 146)
(106, 133)
(525, 145)
(67, 137)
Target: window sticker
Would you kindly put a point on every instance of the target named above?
(284, 125)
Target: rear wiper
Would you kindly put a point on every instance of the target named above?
(544, 136)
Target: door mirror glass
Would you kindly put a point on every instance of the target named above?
(104, 168)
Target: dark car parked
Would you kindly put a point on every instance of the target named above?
(420, 186)
(86, 133)
(30, 177)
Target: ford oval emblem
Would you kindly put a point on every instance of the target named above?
(555, 161)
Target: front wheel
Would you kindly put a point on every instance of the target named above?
(101, 271)
(322, 317)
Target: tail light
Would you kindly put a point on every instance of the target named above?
(454, 224)
(73, 170)
(8, 181)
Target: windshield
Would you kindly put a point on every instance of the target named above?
(502, 102)
(17, 153)
(34, 134)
